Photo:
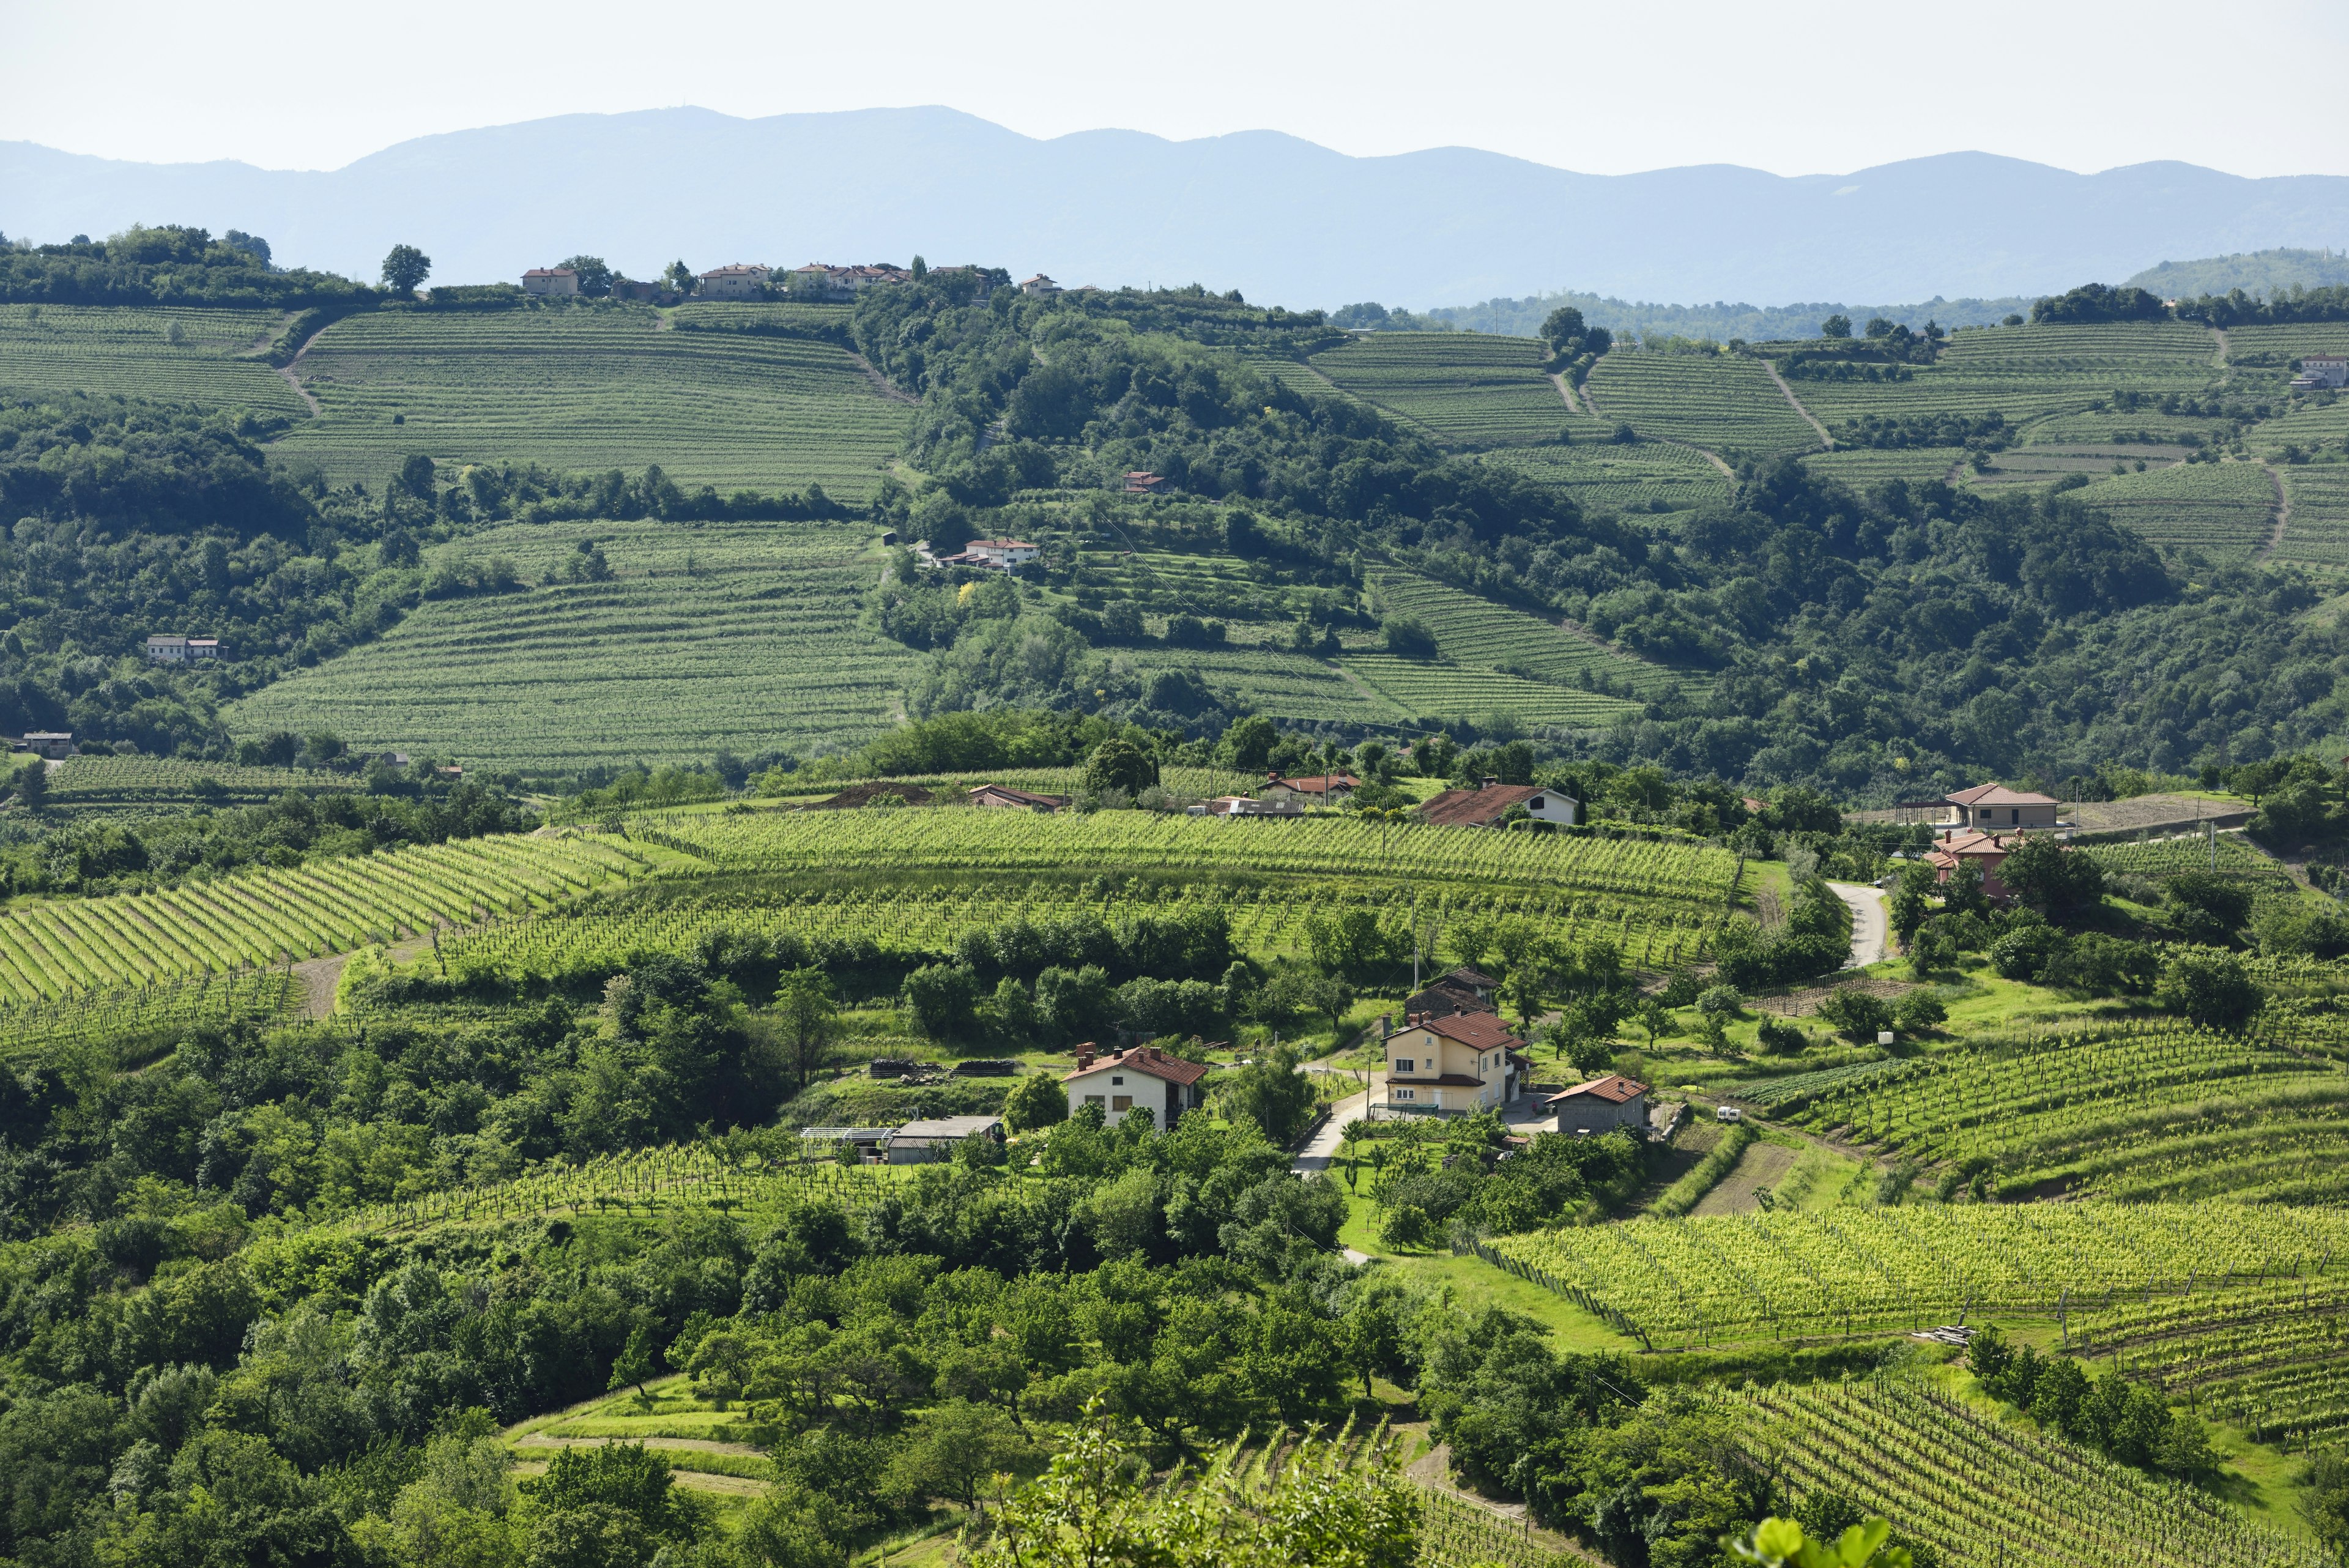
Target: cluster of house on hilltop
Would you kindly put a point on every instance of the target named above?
(1979, 827)
(750, 280)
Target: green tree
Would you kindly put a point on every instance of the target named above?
(1562, 327)
(1269, 1092)
(1409, 638)
(955, 1447)
(680, 277)
(2051, 878)
(1910, 905)
(1781, 1543)
(404, 268)
(1037, 1100)
(1837, 326)
(1118, 763)
(594, 277)
(943, 998)
(2209, 989)
(635, 1361)
(807, 1013)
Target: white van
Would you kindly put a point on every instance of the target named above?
(1728, 1113)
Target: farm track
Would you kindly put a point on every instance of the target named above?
(320, 977)
(1826, 440)
(1714, 457)
(1566, 390)
(2284, 512)
(293, 379)
(881, 383)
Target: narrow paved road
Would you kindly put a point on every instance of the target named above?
(1870, 931)
(1321, 1150)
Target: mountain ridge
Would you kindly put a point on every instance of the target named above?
(1283, 219)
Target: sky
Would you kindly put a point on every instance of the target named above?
(1794, 89)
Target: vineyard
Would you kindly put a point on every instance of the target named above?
(602, 938)
(1126, 841)
(710, 638)
(100, 780)
(60, 948)
(2236, 857)
(2160, 1111)
(1779, 1275)
(2317, 533)
(1990, 1493)
(127, 1018)
(1604, 478)
(1719, 403)
(116, 352)
(1862, 467)
(1472, 630)
(1464, 388)
(2027, 373)
(592, 389)
(1276, 682)
(2222, 509)
(1427, 689)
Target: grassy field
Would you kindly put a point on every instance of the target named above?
(593, 389)
(1714, 401)
(127, 352)
(1464, 388)
(2317, 534)
(1475, 631)
(1602, 477)
(2226, 510)
(710, 638)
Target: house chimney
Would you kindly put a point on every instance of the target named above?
(1084, 1060)
(1489, 782)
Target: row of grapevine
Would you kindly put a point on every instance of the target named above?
(1785, 1275)
(154, 1011)
(259, 918)
(998, 841)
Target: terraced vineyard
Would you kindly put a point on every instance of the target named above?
(2235, 855)
(145, 781)
(2317, 533)
(2041, 462)
(2225, 509)
(1781, 1275)
(2027, 373)
(1472, 630)
(123, 1019)
(1276, 682)
(2166, 1112)
(1268, 922)
(2271, 1356)
(1464, 388)
(1719, 402)
(1603, 477)
(59, 949)
(592, 389)
(2281, 344)
(1432, 690)
(1991, 1493)
(1861, 467)
(128, 352)
(1129, 841)
(716, 636)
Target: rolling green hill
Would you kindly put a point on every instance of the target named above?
(1463, 389)
(133, 352)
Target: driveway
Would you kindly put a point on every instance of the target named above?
(1871, 938)
(1320, 1151)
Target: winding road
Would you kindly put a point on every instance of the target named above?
(1871, 940)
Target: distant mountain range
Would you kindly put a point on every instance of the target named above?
(1281, 219)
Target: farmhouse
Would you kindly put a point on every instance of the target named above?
(2322, 371)
(549, 280)
(1249, 805)
(1141, 481)
(1003, 796)
(51, 743)
(162, 650)
(1984, 807)
(1039, 285)
(1452, 1064)
(1464, 990)
(1486, 807)
(1602, 1104)
(1987, 850)
(741, 281)
(1322, 788)
(1008, 554)
(933, 1142)
(1144, 1079)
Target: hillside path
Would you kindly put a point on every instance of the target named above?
(294, 380)
(1795, 402)
(2283, 511)
(881, 383)
(1565, 390)
(319, 978)
(1870, 931)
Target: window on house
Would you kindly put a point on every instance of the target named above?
(1406, 1094)
(1094, 1100)
(1402, 1064)
(1115, 1078)
(1121, 1101)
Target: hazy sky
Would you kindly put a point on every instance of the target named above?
(1791, 88)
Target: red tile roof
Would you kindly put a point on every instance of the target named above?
(1146, 1059)
(1477, 1031)
(1998, 795)
(1614, 1089)
(1476, 808)
(1320, 783)
(1475, 976)
(1025, 797)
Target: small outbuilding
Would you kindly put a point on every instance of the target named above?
(54, 744)
(1601, 1106)
(931, 1142)
(1004, 797)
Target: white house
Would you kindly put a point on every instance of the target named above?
(1486, 807)
(549, 280)
(1453, 1064)
(1144, 1079)
(741, 281)
(1040, 283)
(163, 649)
(2322, 371)
(1008, 554)
(1601, 1106)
